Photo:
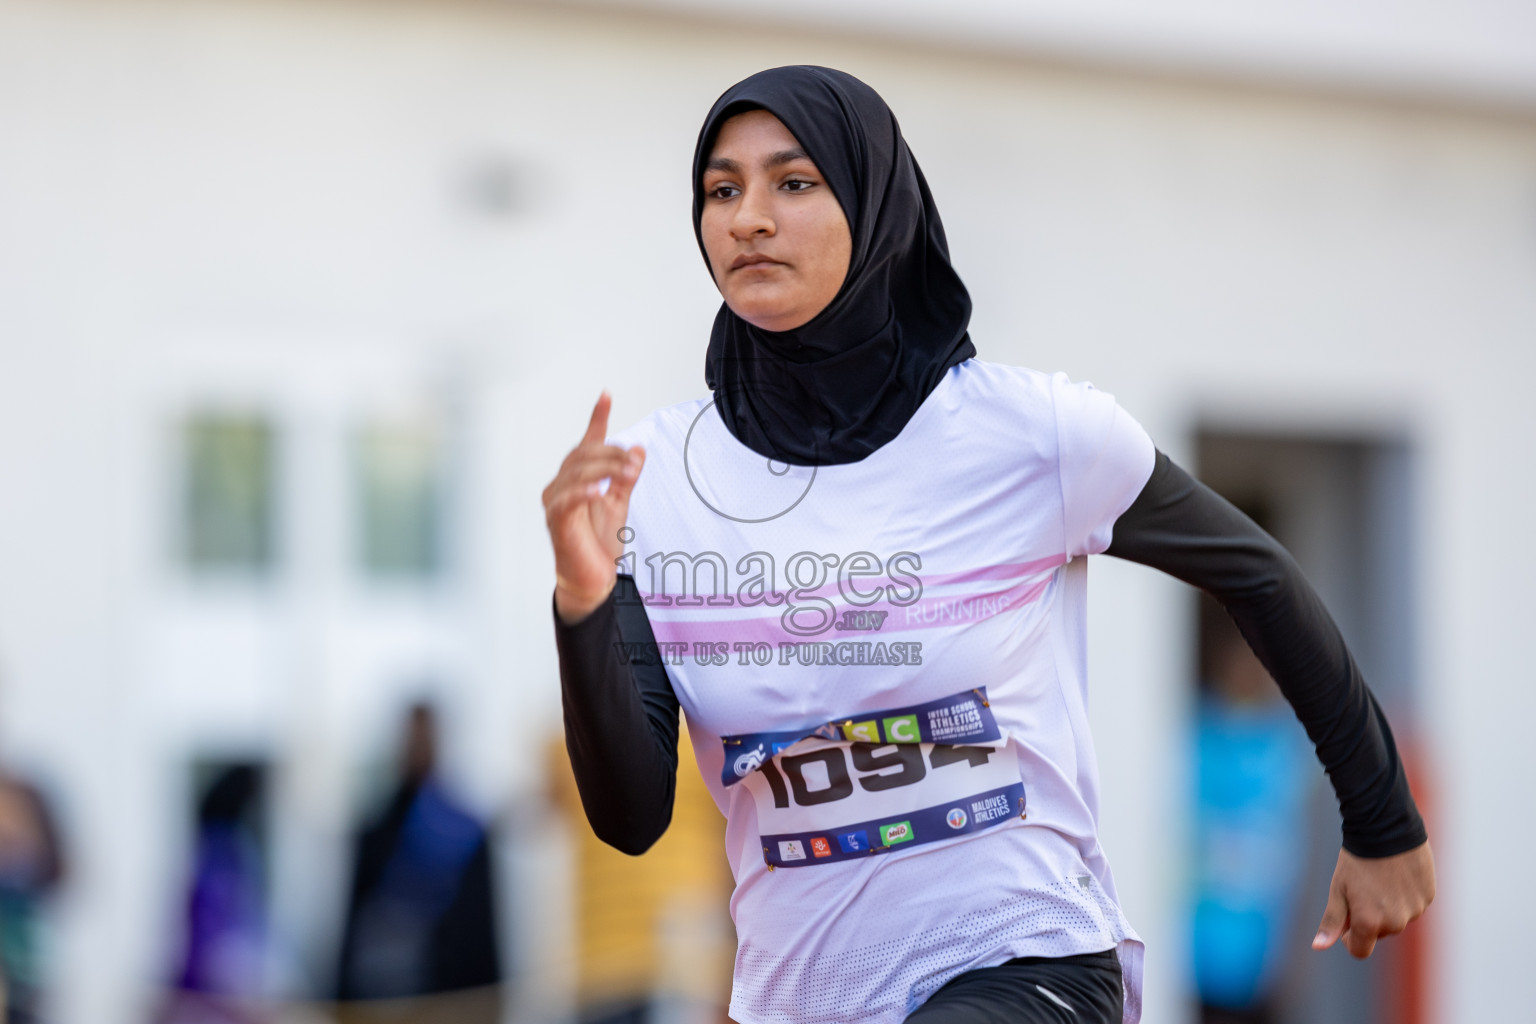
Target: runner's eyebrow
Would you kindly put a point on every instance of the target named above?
(783, 156)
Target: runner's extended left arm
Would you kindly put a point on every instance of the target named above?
(1182, 527)
(1385, 875)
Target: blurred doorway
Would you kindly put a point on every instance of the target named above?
(1344, 507)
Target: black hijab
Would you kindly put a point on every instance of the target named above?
(834, 390)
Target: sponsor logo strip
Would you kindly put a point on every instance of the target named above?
(871, 838)
(963, 717)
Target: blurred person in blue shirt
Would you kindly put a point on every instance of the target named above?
(421, 918)
(1252, 771)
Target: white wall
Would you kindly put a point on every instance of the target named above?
(268, 197)
(1484, 49)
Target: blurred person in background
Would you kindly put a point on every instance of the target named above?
(223, 970)
(420, 940)
(31, 868)
(652, 940)
(1252, 774)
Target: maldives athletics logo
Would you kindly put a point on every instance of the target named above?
(956, 818)
(749, 762)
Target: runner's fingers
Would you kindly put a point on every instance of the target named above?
(564, 497)
(1335, 919)
(559, 496)
(585, 452)
(597, 426)
(623, 482)
(582, 453)
(562, 503)
(618, 493)
(1361, 948)
(1377, 925)
(578, 488)
(607, 463)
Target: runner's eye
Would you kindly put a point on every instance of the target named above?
(797, 185)
(722, 192)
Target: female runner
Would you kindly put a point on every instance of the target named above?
(860, 570)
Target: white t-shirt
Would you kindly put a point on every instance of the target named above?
(883, 668)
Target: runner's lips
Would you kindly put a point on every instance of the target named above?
(752, 259)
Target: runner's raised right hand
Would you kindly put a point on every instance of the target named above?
(584, 521)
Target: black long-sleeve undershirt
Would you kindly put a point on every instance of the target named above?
(621, 720)
(621, 715)
(1187, 530)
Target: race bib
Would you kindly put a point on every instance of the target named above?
(879, 782)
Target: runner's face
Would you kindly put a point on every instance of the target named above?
(777, 239)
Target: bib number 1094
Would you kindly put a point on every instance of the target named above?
(875, 768)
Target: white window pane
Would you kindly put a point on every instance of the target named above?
(229, 498)
(400, 499)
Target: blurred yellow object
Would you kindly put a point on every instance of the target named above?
(656, 925)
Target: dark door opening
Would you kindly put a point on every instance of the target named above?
(1344, 507)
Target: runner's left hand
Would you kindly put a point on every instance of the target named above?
(1373, 897)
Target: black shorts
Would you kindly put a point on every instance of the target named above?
(1082, 989)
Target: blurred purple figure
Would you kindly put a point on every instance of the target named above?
(222, 974)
